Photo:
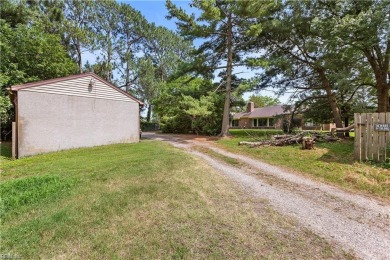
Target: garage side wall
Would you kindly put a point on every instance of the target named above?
(50, 122)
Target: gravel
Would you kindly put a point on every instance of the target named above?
(354, 222)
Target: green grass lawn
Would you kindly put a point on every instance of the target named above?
(255, 133)
(146, 200)
(330, 162)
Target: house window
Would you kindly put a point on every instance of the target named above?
(259, 122)
(262, 122)
(235, 123)
(309, 122)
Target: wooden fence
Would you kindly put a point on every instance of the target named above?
(372, 136)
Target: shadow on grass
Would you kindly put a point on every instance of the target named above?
(5, 150)
(339, 152)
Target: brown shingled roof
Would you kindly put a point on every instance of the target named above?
(271, 111)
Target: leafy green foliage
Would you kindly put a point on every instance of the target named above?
(77, 31)
(6, 115)
(30, 54)
(222, 26)
(187, 105)
(263, 101)
(362, 27)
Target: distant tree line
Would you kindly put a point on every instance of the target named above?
(332, 55)
(44, 39)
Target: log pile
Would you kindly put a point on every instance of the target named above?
(301, 138)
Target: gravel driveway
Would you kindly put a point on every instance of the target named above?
(354, 222)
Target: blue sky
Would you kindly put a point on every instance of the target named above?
(156, 12)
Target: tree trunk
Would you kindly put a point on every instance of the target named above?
(380, 67)
(109, 54)
(226, 108)
(127, 83)
(346, 123)
(382, 93)
(149, 114)
(79, 61)
(331, 98)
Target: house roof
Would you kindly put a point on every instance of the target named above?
(88, 74)
(271, 111)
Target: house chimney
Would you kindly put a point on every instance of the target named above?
(250, 107)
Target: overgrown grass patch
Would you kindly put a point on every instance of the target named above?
(17, 193)
(146, 200)
(331, 162)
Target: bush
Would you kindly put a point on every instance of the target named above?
(6, 116)
(255, 132)
(178, 124)
(184, 124)
(149, 126)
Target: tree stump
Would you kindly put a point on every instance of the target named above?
(307, 143)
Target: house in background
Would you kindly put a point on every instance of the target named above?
(76, 111)
(271, 118)
(259, 118)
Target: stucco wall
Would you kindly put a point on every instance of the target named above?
(50, 122)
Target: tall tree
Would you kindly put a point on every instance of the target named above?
(301, 56)
(106, 28)
(220, 25)
(77, 30)
(28, 53)
(148, 83)
(166, 49)
(131, 26)
(364, 26)
(188, 105)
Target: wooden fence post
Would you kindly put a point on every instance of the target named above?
(13, 141)
(358, 137)
(372, 136)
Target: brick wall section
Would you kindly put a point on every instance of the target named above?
(245, 123)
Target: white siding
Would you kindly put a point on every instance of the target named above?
(49, 122)
(80, 87)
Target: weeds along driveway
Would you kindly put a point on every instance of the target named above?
(354, 222)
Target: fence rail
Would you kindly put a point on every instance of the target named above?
(372, 136)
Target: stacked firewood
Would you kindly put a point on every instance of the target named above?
(303, 138)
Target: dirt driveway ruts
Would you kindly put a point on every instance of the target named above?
(354, 222)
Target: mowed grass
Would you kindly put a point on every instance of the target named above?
(330, 162)
(254, 134)
(146, 200)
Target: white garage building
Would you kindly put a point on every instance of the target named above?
(76, 111)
